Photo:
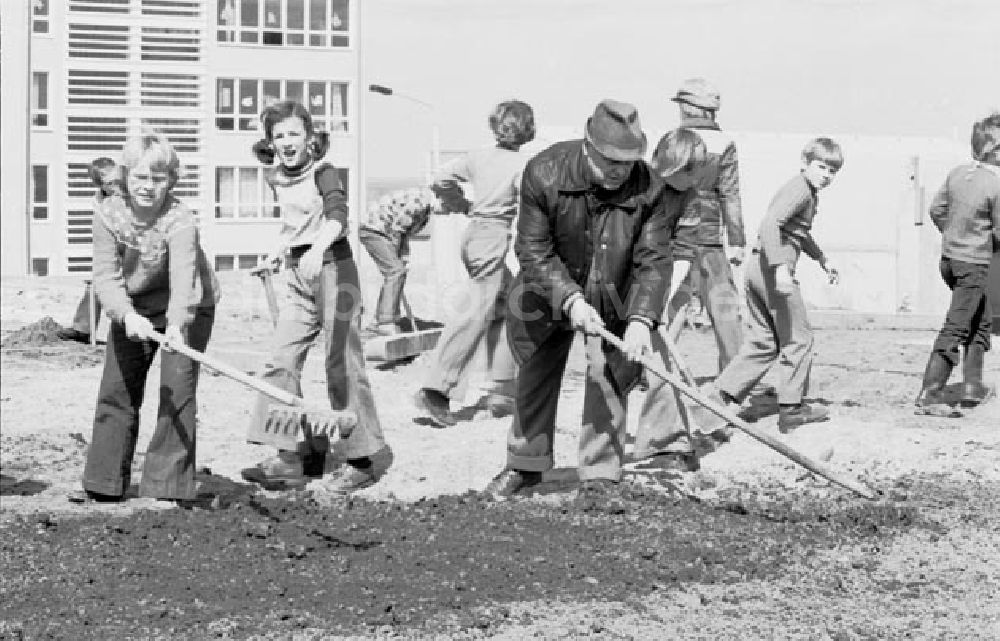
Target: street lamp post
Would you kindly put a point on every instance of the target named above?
(435, 133)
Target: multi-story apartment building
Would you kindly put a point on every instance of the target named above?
(199, 71)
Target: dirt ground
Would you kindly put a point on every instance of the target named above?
(751, 546)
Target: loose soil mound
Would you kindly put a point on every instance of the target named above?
(447, 564)
(40, 341)
(38, 334)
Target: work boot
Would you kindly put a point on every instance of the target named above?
(973, 390)
(931, 401)
(794, 416)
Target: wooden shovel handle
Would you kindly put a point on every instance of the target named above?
(777, 445)
(229, 371)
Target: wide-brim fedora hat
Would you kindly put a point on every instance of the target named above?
(615, 132)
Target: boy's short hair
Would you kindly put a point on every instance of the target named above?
(99, 169)
(986, 139)
(275, 113)
(161, 152)
(824, 150)
(679, 150)
(513, 123)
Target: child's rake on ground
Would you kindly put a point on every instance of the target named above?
(292, 415)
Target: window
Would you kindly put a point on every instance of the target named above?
(40, 16)
(39, 192)
(248, 261)
(40, 266)
(80, 226)
(170, 44)
(275, 23)
(104, 42)
(39, 98)
(224, 263)
(169, 90)
(242, 192)
(94, 87)
(75, 264)
(96, 134)
(239, 101)
(172, 8)
(99, 6)
(229, 262)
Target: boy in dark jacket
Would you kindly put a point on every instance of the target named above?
(967, 212)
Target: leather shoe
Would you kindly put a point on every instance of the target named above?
(436, 404)
(510, 482)
(791, 417)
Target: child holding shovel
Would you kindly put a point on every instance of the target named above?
(321, 294)
(150, 274)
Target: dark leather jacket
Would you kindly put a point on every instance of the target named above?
(573, 237)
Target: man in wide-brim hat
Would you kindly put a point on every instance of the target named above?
(593, 245)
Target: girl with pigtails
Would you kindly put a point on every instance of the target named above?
(321, 294)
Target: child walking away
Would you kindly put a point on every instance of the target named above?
(322, 294)
(495, 175)
(109, 180)
(150, 274)
(967, 212)
(779, 333)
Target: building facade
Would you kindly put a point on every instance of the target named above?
(198, 71)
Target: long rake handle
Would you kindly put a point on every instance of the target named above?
(765, 438)
(231, 372)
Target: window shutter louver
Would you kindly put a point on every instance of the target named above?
(132, 65)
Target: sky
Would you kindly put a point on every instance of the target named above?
(858, 67)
